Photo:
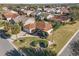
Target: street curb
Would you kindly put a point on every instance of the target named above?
(67, 43)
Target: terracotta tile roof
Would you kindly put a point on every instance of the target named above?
(10, 14)
(60, 18)
(45, 26)
(30, 26)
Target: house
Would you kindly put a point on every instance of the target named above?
(50, 16)
(29, 20)
(65, 10)
(8, 15)
(27, 12)
(47, 9)
(60, 18)
(20, 18)
(29, 25)
(5, 8)
(39, 9)
(44, 26)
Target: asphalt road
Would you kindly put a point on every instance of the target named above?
(68, 51)
(6, 49)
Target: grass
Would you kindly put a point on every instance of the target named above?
(2, 22)
(25, 42)
(63, 34)
(35, 50)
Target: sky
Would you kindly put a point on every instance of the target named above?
(39, 1)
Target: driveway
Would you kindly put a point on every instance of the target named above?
(6, 49)
(68, 51)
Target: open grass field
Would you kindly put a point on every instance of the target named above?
(63, 34)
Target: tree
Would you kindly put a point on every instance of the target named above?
(34, 43)
(7, 26)
(30, 51)
(42, 34)
(21, 24)
(43, 43)
(15, 29)
(2, 23)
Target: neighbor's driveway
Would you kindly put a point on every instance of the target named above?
(6, 49)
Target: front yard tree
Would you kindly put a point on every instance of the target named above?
(7, 26)
(15, 29)
(21, 24)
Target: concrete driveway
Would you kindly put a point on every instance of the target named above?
(6, 49)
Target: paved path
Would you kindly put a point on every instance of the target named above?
(6, 49)
(67, 51)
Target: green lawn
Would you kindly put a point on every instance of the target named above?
(63, 34)
(26, 42)
(31, 46)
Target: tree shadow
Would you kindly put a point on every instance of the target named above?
(30, 51)
(3, 34)
(13, 53)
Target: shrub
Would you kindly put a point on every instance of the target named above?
(56, 25)
(34, 43)
(38, 52)
(42, 34)
(43, 43)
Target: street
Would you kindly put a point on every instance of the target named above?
(68, 51)
(6, 49)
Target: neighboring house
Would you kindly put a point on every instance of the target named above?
(61, 18)
(37, 13)
(44, 26)
(27, 12)
(21, 18)
(43, 15)
(29, 25)
(39, 9)
(29, 20)
(5, 8)
(47, 9)
(64, 10)
(50, 16)
(10, 15)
